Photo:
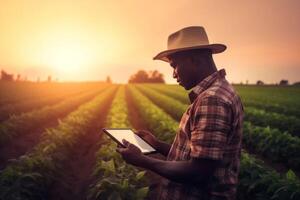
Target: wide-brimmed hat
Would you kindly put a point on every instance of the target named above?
(193, 37)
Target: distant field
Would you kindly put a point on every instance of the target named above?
(280, 99)
(51, 146)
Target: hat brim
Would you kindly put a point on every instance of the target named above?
(216, 48)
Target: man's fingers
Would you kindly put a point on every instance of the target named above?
(125, 142)
(119, 146)
(128, 144)
(119, 150)
(141, 133)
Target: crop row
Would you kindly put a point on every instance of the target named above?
(114, 178)
(30, 176)
(250, 99)
(21, 124)
(16, 108)
(273, 144)
(276, 108)
(18, 92)
(171, 106)
(284, 100)
(260, 117)
(256, 181)
(163, 125)
(171, 91)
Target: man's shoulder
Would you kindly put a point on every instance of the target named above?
(221, 91)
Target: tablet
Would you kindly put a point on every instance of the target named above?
(118, 134)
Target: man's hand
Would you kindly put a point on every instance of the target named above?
(148, 137)
(160, 146)
(189, 171)
(131, 153)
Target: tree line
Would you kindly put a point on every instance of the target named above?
(143, 76)
(140, 76)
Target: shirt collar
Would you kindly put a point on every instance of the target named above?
(205, 83)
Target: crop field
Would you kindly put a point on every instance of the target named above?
(52, 147)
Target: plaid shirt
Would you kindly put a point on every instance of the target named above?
(211, 128)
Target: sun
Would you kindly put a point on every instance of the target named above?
(68, 57)
(67, 53)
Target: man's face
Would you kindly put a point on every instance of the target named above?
(184, 71)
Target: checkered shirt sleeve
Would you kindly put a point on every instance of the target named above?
(210, 127)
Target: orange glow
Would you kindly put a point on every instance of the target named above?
(65, 53)
(89, 40)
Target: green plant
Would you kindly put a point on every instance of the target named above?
(114, 178)
(30, 176)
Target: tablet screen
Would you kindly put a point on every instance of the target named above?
(130, 136)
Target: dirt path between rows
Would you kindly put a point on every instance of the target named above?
(77, 171)
(24, 142)
(137, 122)
(134, 116)
(78, 168)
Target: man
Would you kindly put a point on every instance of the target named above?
(203, 161)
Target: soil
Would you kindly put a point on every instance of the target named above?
(77, 169)
(134, 116)
(23, 143)
(26, 107)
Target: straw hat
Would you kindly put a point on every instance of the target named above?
(193, 37)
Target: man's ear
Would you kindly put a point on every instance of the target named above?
(194, 62)
(198, 62)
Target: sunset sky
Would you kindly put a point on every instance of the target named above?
(89, 40)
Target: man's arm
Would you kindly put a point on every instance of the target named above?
(163, 148)
(192, 171)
